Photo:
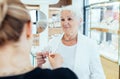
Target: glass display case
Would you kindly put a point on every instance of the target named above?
(102, 24)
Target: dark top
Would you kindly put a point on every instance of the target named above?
(38, 73)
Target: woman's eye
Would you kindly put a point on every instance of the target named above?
(62, 19)
(69, 19)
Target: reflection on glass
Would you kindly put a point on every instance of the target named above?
(103, 22)
(42, 22)
(39, 26)
(103, 26)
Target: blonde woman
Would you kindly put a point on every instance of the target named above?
(15, 44)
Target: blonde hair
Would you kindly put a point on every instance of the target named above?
(13, 16)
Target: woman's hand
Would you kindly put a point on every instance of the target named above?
(41, 58)
(55, 60)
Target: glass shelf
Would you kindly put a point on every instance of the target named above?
(102, 25)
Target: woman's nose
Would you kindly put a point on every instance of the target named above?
(66, 22)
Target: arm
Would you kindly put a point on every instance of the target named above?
(55, 59)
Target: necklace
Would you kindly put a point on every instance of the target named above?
(68, 40)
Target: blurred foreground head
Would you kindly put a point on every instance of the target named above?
(13, 17)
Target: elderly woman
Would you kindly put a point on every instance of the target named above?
(79, 52)
(15, 44)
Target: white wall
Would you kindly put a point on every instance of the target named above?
(37, 2)
(78, 4)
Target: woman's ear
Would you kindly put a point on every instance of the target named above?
(29, 29)
(80, 20)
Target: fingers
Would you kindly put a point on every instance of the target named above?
(40, 57)
(52, 56)
(56, 60)
(40, 62)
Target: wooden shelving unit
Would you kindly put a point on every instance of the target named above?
(102, 21)
(52, 31)
(111, 69)
(105, 30)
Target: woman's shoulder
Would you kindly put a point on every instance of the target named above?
(38, 73)
(58, 73)
(86, 39)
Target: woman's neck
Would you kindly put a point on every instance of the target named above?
(69, 40)
(13, 60)
(70, 37)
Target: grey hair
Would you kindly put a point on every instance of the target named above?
(76, 11)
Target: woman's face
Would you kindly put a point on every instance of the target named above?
(69, 22)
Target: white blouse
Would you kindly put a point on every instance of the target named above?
(68, 54)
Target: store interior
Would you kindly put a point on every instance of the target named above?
(101, 22)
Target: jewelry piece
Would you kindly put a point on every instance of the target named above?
(69, 39)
